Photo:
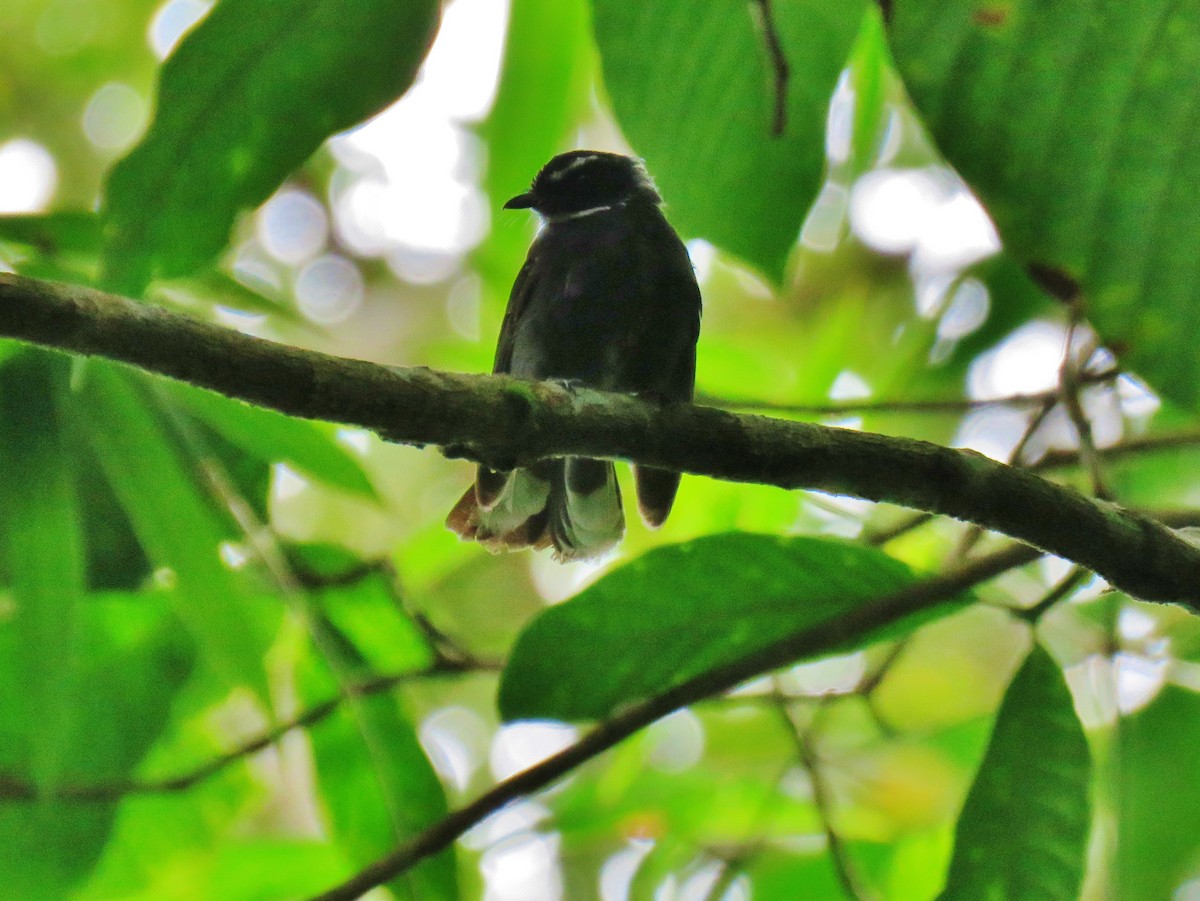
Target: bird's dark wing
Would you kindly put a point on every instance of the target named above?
(675, 297)
(518, 302)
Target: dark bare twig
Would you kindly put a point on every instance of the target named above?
(1066, 585)
(779, 65)
(1068, 382)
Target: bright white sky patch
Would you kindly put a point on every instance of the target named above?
(1026, 363)
(171, 21)
(28, 176)
(413, 169)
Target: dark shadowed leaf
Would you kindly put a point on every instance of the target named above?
(177, 523)
(678, 611)
(1023, 831)
(1075, 124)
(692, 87)
(41, 550)
(245, 98)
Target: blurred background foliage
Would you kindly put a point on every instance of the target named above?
(240, 656)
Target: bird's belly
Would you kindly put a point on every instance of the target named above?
(580, 341)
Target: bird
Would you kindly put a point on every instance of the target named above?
(607, 299)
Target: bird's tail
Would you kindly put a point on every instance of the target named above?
(573, 505)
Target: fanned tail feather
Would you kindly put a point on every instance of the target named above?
(656, 490)
(574, 505)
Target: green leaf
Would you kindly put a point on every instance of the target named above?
(1023, 831)
(378, 786)
(246, 97)
(310, 448)
(176, 523)
(75, 231)
(127, 666)
(681, 610)
(41, 547)
(1074, 123)
(692, 86)
(1156, 793)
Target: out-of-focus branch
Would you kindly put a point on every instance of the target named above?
(507, 422)
(14, 788)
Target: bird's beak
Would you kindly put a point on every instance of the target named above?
(521, 202)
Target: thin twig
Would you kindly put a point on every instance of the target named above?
(949, 405)
(881, 535)
(1068, 381)
(861, 621)
(1132, 447)
(14, 788)
(779, 64)
(1066, 585)
(806, 751)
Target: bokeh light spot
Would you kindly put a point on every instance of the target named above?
(114, 116)
(676, 743)
(522, 868)
(455, 739)
(518, 746)
(1027, 362)
(28, 176)
(329, 289)
(292, 226)
(966, 311)
(889, 208)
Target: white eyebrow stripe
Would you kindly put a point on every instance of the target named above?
(579, 214)
(560, 174)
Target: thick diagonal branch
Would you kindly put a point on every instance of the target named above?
(506, 422)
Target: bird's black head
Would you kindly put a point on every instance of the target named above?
(585, 180)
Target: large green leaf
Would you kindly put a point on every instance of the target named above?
(678, 611)
(378, 786)
(1023, 831)
(245, 98)
(692, 87)
(1157, 798)
(177, 524)
(1074, 121)
(126, 667)
(41, 550)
